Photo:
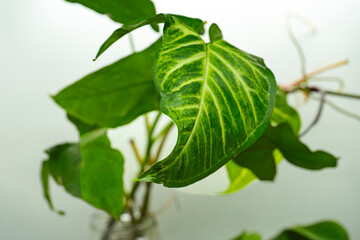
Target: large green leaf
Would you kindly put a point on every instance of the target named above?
(196, 24)
(122, 11)
(101, 173)
(220, 98)
(326, 230)
(114, 95)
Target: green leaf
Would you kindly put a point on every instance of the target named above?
(248, 236)
(127, 28)
(326, 230)
(45, 172)
(114, 95)
(65, 164)
(215, 33)
(91, 171)
(295, 152)
(259, 159)
(122, 11)
(220, 98)
(240, 177)
(194, 23)
(102, 173)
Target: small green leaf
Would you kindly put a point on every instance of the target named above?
(45, 172)
(326, 230)
(220, 98)
(215, 33)
(114, 95)
(122, 11)
(248, 236)
(297, 153)
(65, 164)
(127, 28)
(196, 24)
(101, 173)
(259, 159)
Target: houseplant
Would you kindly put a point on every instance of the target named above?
(95, 115)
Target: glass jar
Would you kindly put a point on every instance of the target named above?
(104, 228)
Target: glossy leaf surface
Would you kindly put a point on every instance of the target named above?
(327, 230)
(220, 98)
(114, 95)
(122, 11)
(102, 173)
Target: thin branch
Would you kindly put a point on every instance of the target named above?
(320, 110)
(166, 133)
(136, 151)
(146, 202)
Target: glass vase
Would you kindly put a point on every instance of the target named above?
(104, 228)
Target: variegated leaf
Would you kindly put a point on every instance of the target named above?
(220, 98)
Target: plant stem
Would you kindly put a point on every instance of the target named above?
(145, 205)
(109, 228)
(318, 115)
(136, 151)
(165, 131)
(147, 157)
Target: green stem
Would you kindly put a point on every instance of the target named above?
(147, 154)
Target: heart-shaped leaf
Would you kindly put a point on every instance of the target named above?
(220, 98)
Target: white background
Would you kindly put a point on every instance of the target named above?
(45, 45)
